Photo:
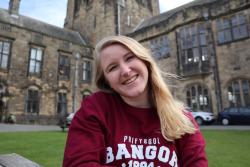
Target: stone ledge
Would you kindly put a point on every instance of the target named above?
(14, 160)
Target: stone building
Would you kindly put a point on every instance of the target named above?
(44, 70)
(96, 19)
(206, 43)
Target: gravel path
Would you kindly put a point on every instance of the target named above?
(23, 128)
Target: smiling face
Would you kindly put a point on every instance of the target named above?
(125, 72)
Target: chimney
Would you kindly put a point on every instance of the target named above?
(14, 7)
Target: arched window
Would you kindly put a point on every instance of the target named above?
(238, 93)
(197, 98)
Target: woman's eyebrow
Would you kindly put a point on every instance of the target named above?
(108, 66)
(128, 53)
(125, 55)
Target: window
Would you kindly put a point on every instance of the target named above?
(86, 75)
(129, 20)
(238, 93)
(193, 45)
(160, 47)
(197, 98)
(77, 6)
(121, 2)
(35, 61)
(4, 54)
(32, 102)
(62, 103)
(64, 67)
(232, 28)
(233, 110)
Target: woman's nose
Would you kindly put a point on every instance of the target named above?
(125, 70)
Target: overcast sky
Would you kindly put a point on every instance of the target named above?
(54, 11)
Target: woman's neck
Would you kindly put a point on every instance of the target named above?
(141, 101)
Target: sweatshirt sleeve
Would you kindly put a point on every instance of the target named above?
(85, 144)
(191, 149)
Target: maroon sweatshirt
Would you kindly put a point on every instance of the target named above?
(108, 132)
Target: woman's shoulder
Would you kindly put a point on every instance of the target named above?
(101, 96)
(101, 99)
(97, 104)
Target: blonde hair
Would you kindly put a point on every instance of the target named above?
(173, 119)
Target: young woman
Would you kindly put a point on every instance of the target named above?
(133, 121)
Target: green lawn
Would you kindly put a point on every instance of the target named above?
(224, 148)
(44, 148)
(228, 148)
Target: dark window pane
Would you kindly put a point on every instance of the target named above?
(160, 47)
(226, 23)
(196, 55)
(32, 102)
(245, 86)
(189, 102)
(243, 31)
(190, 55)
(204, 54)
(193, 91)
(64, 66)
(194, 40)
(193, 30)
(247, 99)
(190, 42)
(62, 103)
(199, 99)
(203, 40)
(86, 71)
(221, 37)
(1, 46)
(199, 90)
(236, 86)
(233, 110)
(219, 24)
(61, 60)
(228, 35)
(235, 21)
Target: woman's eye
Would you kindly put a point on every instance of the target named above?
(111, 68)
(130, 57)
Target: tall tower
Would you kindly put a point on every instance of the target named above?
(14, 6)
(95, 19)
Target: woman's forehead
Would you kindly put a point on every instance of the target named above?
(114, 49)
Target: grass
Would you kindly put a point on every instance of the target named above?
(227, 148)
(224, 148)
(44, 148)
